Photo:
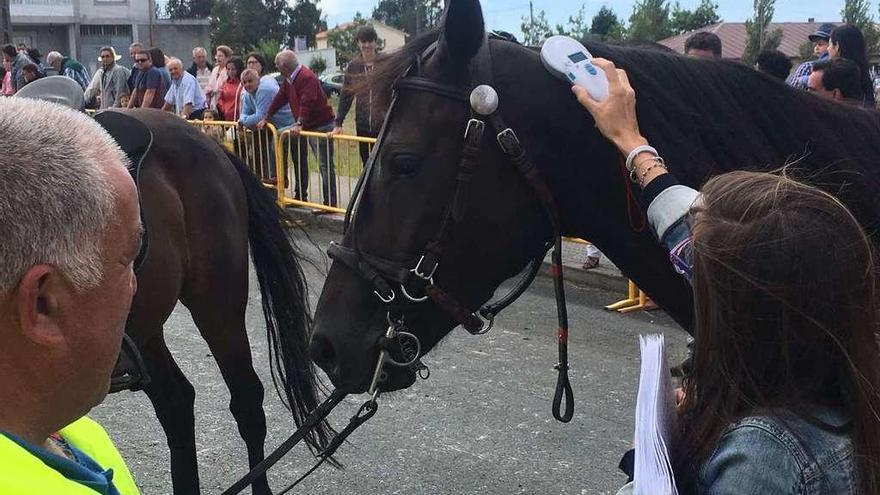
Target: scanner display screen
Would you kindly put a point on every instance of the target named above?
(577, 57)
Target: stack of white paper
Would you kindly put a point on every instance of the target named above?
(655, 421)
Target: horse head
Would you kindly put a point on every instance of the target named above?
(405, 210)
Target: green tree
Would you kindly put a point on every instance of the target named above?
(306, 20)
(759, 36)
(318, 65)
(268, 49)
(344, 40)
(805, 51)
(649, 21)
(606, 26)
(411, 16)
(242, 24)
(188, 9)
(857, 13)
(535, 29)
(578, 26)
(684, 20)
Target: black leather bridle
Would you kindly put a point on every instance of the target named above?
(386, 275)
(393, 281)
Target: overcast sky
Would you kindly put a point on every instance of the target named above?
(507, 15)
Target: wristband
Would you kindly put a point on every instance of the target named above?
(635, 152)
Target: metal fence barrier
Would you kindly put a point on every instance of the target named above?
(321, 169)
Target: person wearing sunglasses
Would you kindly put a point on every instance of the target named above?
(149, 85)
(783, 394)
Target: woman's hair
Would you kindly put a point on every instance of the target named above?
(239, 66)
(157, 56)
(851, 45)
(261, 59)
(224, 49)
(786, 314)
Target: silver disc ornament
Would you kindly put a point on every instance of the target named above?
(484, 99)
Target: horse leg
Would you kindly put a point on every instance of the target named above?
(173, 396)
(222, 326)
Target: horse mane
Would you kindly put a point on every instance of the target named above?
(709, 117)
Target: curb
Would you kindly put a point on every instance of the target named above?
(602, 277)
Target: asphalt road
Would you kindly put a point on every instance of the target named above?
(480, 425)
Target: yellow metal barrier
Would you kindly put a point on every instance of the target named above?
(320, 169)
(255, 148)
(636, 299)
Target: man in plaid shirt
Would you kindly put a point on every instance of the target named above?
(820, 39)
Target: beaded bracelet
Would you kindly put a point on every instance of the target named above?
(658, 162)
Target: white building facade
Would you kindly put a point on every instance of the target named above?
(79, 28)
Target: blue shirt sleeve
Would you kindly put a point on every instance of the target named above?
(189, 93)
(263, 99)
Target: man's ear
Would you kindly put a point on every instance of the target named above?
(37, 300)
(836, 94)
(463, 31)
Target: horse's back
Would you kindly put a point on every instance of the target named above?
(195, 211)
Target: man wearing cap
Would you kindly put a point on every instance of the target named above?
(801, 77)
(110, 81)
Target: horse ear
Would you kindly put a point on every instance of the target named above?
(463, 30)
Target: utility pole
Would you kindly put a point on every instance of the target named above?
(531, 13)
(152, 6)
(418, 17)
(5, 22)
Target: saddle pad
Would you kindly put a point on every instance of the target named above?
(135, 139)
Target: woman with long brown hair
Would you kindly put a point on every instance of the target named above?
(783, 394)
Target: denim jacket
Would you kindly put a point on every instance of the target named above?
(778, 453)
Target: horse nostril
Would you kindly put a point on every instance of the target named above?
(321, 350)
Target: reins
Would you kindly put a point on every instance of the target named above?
(417, 284)
(397, 284)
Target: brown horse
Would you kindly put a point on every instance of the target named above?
(202, 208)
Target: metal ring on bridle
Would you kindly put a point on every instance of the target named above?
(417, 270)
(412, 298)
(384, 299)
(418, 345)
(491, 322)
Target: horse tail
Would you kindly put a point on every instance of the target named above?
(285, 304)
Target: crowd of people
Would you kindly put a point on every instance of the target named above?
(839, 71)
(783, 393)
(235, 88)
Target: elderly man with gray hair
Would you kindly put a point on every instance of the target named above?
(301, 89)
(109, 84)
(70, 229)
(184, 96)
(201, 68)
(68, 67)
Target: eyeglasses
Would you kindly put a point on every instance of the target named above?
(682, 258)
(140, 60)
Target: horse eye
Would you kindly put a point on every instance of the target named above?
(405, 164)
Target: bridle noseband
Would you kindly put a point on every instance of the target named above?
(393, 281)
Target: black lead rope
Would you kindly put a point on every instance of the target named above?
(365, 412)
(318, 415)
(563, 385)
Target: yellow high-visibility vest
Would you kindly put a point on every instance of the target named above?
(22, 473)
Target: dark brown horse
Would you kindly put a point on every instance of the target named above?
(705, 117)
(202, 209)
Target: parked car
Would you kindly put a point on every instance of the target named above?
(332, 82)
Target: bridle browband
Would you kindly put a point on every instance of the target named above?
(396, 282)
